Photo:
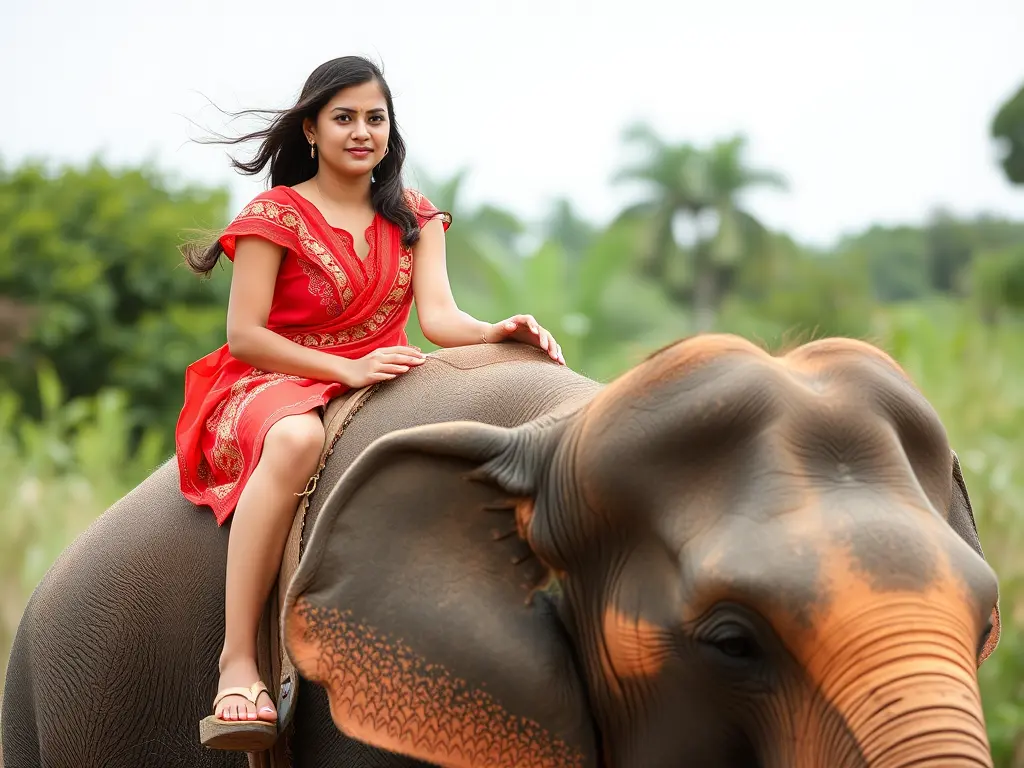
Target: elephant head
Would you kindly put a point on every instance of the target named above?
(724, 558)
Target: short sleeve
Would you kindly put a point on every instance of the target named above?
(425, 210)
(268, 215)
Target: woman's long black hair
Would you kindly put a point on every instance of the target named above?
(285, 147)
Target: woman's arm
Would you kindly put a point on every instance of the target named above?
(253, 277)
(441, 320)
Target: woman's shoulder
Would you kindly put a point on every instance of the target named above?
(272, 214)
(423, 208)
(414, 198)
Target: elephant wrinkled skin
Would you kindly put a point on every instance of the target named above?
(723, 557)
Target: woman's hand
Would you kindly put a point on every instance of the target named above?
(380, 365)
(526, 329)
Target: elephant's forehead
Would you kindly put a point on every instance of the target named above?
(732, 423)
(739, 386)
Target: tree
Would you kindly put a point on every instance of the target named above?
(1008, 130)
(949, 252)
(896, 258)
(997, 281)
(91, 274)
(565, 227)
(701, 188)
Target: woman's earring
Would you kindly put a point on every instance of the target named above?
(312, 149)
(372, 177)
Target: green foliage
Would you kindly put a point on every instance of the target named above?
(997, 279)
(568, 229)
(1008, 131)
(93, 282)
(802, 296)
(908, 263)
(897, 261)
(948, 249)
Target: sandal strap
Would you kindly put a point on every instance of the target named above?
(252, 693)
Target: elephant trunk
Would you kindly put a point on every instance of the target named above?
(911, 698)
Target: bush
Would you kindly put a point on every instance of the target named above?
(92, 282)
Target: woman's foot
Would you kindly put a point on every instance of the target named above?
(235, 707)
(244, 717)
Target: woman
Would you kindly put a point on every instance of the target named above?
(326, 266)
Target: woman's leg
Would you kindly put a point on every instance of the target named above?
(259, 528)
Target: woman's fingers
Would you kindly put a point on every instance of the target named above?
(399, 359)
(407, 351)
(530, 322)
(545, 339)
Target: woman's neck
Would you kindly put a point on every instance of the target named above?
(342, 192)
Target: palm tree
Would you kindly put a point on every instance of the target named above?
(701, 188)
(567, 228)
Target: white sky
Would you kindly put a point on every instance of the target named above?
(875, 111)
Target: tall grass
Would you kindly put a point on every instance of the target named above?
(60, 474)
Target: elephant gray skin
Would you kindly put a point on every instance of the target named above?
(721, 558)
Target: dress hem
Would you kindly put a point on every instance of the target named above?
(223, 508)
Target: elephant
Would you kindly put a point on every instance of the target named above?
(724, 556)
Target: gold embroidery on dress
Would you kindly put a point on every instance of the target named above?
(287, 217)
(414, 198)
(320, 288)
(223, 423)
(387, 308)
(369, 262)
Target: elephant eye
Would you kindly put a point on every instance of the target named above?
(737, 647)
(733, 641)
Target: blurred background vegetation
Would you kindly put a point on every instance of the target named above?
(99, 318)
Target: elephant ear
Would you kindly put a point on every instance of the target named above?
(423, 614)
(961, 519)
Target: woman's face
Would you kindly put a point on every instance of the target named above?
(352, 130)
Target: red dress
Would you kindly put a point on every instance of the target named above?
(325, 297)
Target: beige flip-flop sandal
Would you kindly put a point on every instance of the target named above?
(238, 735)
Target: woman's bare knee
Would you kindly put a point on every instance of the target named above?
(295, 440)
